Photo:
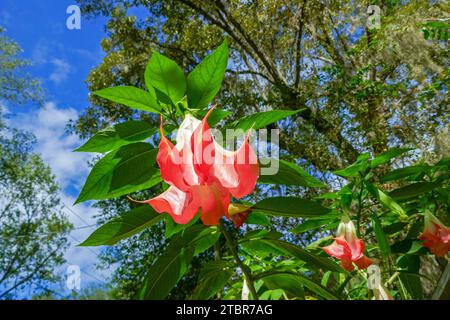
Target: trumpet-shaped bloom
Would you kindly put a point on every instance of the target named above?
(436, 235)
(202, 175)
(347, 247)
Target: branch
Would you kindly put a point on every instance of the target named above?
(242, 266)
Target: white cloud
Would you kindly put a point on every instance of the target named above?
(44, 54)
(61, 71)
(48, 124)
(3, 109)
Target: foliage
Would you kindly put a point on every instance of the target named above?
(387, 207)
(33, 228)
(16, 86)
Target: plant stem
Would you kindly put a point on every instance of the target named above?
(358, 214)
(245, 269)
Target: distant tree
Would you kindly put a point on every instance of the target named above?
(16, 85)
(33, 227)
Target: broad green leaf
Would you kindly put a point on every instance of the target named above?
(408, 172)
(411, 264)
(213, 277)
(118, 135)
(288, 174)
(302, 254)
(386, 200)
(412, 190)
(313, 286)
(124, 226)
(131, 97)
(204, 81)
(388, 155)
(289, 283)
(356, 168)
(128, 169)
(170, 267)
(260, 234)
(260, 248)
(165, 76)
(275, 294)
(290, 207)
(315, 224)
(382, 240)
(394, 227)
(262, 119)
(173, 228)
(258, 218)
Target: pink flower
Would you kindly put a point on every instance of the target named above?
(347, 247)
(436, 235)
(201, 174)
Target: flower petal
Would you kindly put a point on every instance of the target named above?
(213, 200)
(363, 262)
(178, 204)
(176, 164)
(203, 149)
(335, 250)
(237, 171)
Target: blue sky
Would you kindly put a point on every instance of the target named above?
(61, 59)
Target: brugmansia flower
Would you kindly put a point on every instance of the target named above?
(239, 213)
(436, 235)
(201, 174)
(347, 247)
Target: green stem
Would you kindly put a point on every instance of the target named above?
(358, 213)
(245, 269)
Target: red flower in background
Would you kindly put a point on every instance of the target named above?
(435, 236)
(347, 247)
(201, 174)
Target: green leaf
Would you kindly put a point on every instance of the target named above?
(386, 200)
(388, 155)
(289, 283)
(258, 218)
(288, 174)
(262, 119)
(290, 207)
(302, 254)
(259, 248)
(412, 190)
(299, 279)
(411, 280)
(260, 234)
(124, 226)
(174, 228)
(170, 267)
(118, 135)
(131, 97)
(204, 81)
(408, 172)
(315, 224)
(166, 77)
(356, 168)
(213, 277)
(383, 242)
(128, 169)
